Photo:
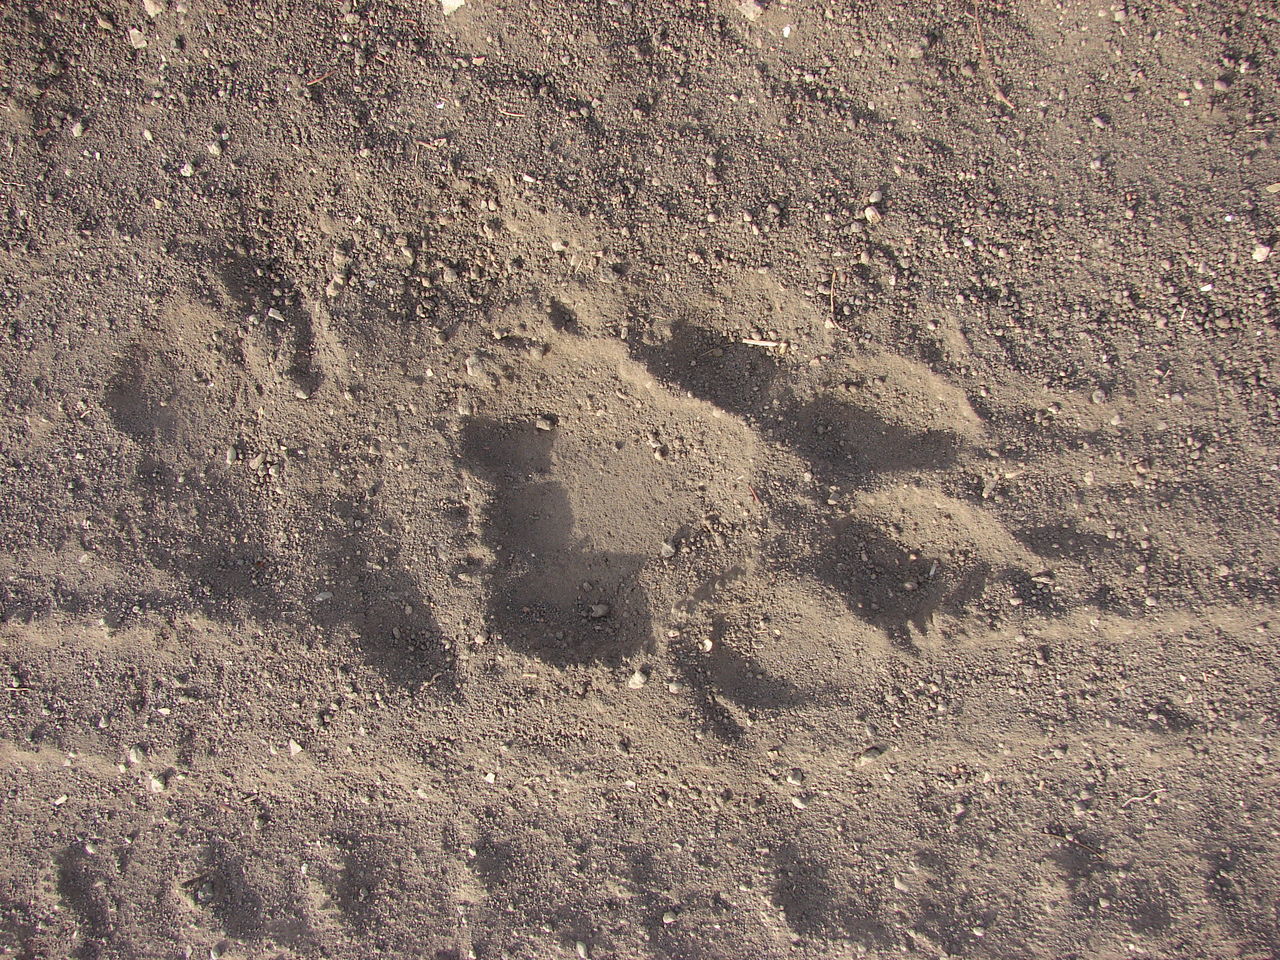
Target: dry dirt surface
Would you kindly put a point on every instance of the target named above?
(639, 479)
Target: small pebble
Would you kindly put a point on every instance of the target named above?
(1261, 252)
(153, 7)
(187, 170)
(295, 748)
(581, 949)
(136, 39)
(1098, 397)
(667, 550)
(637, 680)
(545, 423)
(599, 610)
(668, 918)
(873, 215)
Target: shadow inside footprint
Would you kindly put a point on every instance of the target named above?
(893, 586)
(839, 428)
(553, 596)
(840, 433)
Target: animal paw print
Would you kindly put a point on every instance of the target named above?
(587, 450)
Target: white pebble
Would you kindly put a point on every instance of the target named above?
(637, 680)
(1261, 252)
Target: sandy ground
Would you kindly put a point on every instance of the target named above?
(648, 479)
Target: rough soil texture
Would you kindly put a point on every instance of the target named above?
(655, 479)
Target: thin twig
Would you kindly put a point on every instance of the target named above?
(777, 346)
(322, 77)
(988, 70)
(510, 113)
(1145, 796)
(1066, 837)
